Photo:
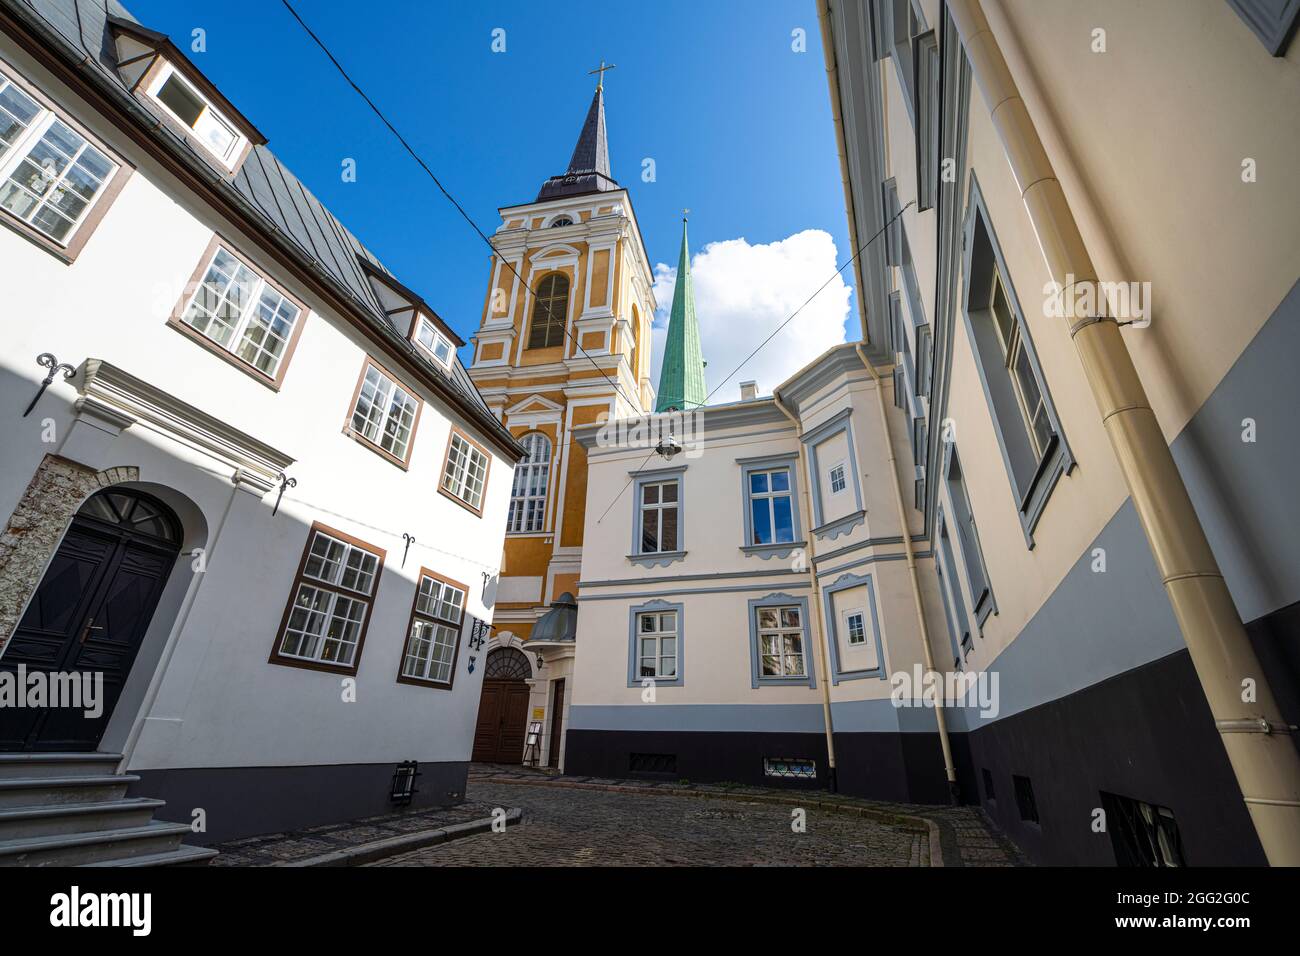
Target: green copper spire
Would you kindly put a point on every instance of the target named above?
(681, 379)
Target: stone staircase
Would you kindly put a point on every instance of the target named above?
(71, 809)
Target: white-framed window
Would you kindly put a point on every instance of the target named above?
(837, 478)
(771, 506)
(178, 97)
(528, 496)
(855, 626)
(435, 629)
(780, 642)
(465, 474)
(1029, 397)
(331, 601)
(385, 413)
(431, 339)
(50, 175)
(659, 506)
(236, 308)
(656, 649)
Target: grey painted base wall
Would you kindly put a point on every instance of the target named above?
(248, 801)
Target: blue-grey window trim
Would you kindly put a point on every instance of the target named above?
(839, 422)
(925, 67)
(843, 583)
(779, 599)
(1058, 460)
(902, 58)
(782, 549)
(633, 650)
(658, 558)
(989, 606)
(924, 358)
(941, 567)
(1273, 21)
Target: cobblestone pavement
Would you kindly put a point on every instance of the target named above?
(273, 848)
(566, 826)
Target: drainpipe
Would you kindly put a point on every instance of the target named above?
(1254, 734)
(941, 719)
(816, 601)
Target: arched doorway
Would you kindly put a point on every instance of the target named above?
(87, 619)
(503, 708)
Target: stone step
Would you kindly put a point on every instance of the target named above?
(24, 765)
(97, 846)
(47, 791)
(183, 855)
(19, 823)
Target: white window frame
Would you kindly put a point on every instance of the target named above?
(779, 633)
(436, 338)
(31, 137)
(435, 624)
(252, 296)
(658, 635)
(464, 474)
(383, 399)
(329, 583)
(658, 507)
(531, 484)
(842, 468)
(769, 498)
(1013, 351)
(855, 637)
(237, 145)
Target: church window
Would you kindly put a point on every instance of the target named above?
(657, 644)
(659, 513)
(780, 642)
(50, 174)
(232, 306)
(528, 496)
(325, 623)
(464, 476)
(434, 630)
(771, 506)
(434, 342)
(550, 311)
(384, 414)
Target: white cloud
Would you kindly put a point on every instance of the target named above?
(743, 292)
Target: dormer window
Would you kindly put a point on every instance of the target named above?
(428, 337)
(187, 106)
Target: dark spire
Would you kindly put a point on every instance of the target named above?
(589, 167)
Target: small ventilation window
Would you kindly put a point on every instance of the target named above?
(988, 785)
(1142, 834)
(562, 221)
(795, 768)
(652, 763)
(1025, 802)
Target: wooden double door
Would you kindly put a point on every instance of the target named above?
(503, 708)
(88, 617)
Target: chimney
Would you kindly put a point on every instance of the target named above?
(748, 391)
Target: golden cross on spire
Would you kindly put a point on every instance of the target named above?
(600, 72)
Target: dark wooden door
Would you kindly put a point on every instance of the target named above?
(502, 722)
(557, 724)
(88, 617)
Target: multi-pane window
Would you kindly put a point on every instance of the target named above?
(659, 511)
(385, 413)
(50, 174)
(331, 601)
(466, 472)
(856, 625)
(528, 496)
(770, 506)
(838, 478)
(217, 134)
(433, 341)
(657, 644)
(1023, 380)
(435, 627)
(550, 309)
(234, 307)
(780, 642)
(973, 557)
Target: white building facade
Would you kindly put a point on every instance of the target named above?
(260, 496)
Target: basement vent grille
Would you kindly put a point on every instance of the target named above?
(652, 763)
(790, 768)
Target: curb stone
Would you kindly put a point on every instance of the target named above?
(391, 846)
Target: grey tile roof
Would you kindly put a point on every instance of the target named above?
(288, 207)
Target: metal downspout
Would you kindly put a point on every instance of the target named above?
(1256, 738)
(941, 719)
(816, 601)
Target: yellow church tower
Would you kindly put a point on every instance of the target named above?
(564, 341)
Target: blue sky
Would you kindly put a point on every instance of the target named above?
(738, 124)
